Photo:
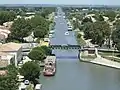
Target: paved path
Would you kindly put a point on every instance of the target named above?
(103, 61)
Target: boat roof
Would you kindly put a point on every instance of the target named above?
(50, 58)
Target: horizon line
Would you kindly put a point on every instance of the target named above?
(64, 4)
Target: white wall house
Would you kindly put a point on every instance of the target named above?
(12, 49)
(6, 59)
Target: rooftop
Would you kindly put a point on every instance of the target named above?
(3, 54)
(10, 47)
(50, 58)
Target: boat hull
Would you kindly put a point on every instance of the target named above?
(51, 73)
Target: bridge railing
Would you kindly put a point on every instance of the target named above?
(65, 46)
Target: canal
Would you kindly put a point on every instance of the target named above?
(75, 75)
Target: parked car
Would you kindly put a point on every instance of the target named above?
(38, 87)
(26, 82)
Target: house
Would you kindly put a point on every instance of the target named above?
(30, 13)
(12, 49)
(2, 38)
(32, 16)
(8, 24)
(4, 32)
(6, 59)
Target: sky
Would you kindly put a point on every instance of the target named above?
(88, 2)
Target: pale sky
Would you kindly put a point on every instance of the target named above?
(92, 2)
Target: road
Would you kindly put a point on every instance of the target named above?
(75, 75)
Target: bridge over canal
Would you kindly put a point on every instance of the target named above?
(65, 47)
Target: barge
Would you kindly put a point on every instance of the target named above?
(50, 66)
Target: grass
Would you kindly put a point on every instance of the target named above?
(109, 56)
(112, 58)
(87, 56)
(29, 87)
(80, 40)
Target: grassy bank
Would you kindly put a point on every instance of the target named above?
(89, 56)
(80, 40)
(111, 56)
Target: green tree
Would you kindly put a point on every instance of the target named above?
(47, 50)
(9, 82)
(99, 17)
(78, 16)
(98, 32)
(40, 32)
(37, 54)
(39, 21)
(21, 28)
(30, 71)
(40, 26)
(6, 16)
(116, 34)
(46, 11)
(79, 36)
(86, 20)
(76, 24)
(110, 14)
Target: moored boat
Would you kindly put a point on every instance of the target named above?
(50, 66)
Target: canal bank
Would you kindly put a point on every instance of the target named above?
(103, 62)
(95, 58)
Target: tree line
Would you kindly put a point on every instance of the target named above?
(100, 30)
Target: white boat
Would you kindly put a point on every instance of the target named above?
(38, 87)
(66, 33)
(56, 17)
(51, 32)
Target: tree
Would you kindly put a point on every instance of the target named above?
(78, 16)
(99, 17)
(37, 54)
(39, 21)
(21, 28)
(76, 24)
(87, 19)
(93, 12)
(9, 82)
(40, 32)
(30, 71)
(98, 32)
(79, 36)
(46, 11)
(47, 50)
(6, 16)
(40, 26)
(116, 35)
(110, 14)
